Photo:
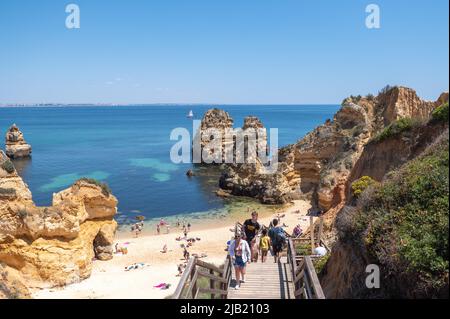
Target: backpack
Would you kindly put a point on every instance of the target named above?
(279, 236)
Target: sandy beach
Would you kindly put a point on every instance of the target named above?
(110, 280)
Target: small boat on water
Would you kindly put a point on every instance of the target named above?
(190, 114)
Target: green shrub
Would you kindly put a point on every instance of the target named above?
(395, 128)
(8, 166)
(204, 283)
(360, 185)
(23, 213)
(7, 192)
(303, 249)
(387, 89)
(405, 225)
(319, 263)
(440, 114)
(105, 188)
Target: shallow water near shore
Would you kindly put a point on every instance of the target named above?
(128, 147)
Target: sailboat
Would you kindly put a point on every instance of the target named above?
(190, 114)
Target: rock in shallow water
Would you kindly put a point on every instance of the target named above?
(16, 146)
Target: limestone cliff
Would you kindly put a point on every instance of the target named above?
(11, 284)
(54, 245)
(319, 165)
(16, 146)
(400, 225)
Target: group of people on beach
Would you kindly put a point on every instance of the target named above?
(137, 228)
(254, 240)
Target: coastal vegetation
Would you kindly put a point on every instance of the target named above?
(320, 263)
(8, 166)
(388, 88)
(362, 184)
(7, 192)
(404, 225)
(396, 128)
(440, 114)
(105, 187)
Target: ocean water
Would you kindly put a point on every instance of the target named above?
(128, 147)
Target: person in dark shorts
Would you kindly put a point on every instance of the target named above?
(240, 253)
(251, 227)
(277, 238)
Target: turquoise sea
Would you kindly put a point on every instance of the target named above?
(128, 147)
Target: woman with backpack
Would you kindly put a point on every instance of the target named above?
(277, 238)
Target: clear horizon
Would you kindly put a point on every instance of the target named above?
(219, 53)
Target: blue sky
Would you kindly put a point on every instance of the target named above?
(219, 51)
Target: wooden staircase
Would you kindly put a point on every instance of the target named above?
(267, 280)
(294, 277)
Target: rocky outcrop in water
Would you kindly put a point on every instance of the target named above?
(214, 121)
(16, 146)
(54, 245)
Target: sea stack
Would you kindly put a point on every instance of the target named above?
(16, 146)
(215, 121)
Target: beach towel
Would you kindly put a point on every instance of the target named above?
(162, 286)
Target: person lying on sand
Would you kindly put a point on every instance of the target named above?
(135, 266)
(203, 255)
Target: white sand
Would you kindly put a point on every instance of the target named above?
(110, 280)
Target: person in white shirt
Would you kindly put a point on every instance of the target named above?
(320, 251)
(240, 253)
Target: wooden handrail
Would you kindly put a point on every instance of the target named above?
(304, 276)
(184, 278)
(188, 286)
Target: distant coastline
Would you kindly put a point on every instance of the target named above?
(212, 105)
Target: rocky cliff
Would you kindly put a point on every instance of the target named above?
(319, 165)
(399, 224)
(11, 284)
(16, 146)
(54, 245)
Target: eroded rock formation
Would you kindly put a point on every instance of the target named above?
(215, 121)
(11, 284)
(318, 166)
(56, 244)
(16, 146)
